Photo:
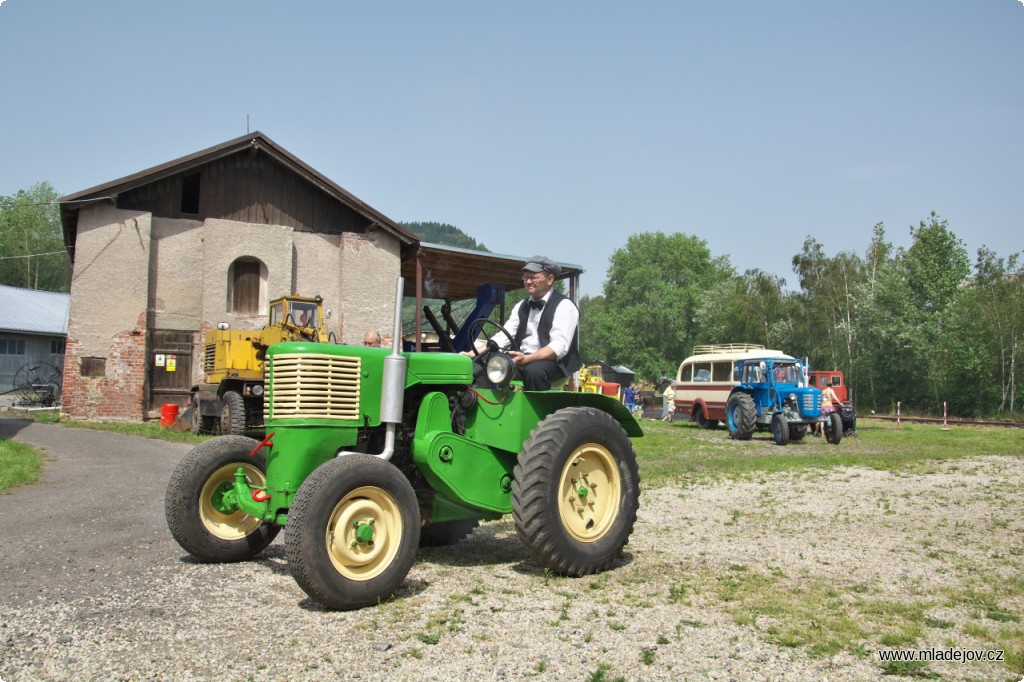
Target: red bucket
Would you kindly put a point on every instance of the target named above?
(168, 415)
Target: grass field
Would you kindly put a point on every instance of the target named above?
(19, 464)
(680, 453)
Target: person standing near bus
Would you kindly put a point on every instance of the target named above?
(668, 403)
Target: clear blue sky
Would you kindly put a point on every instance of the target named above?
(554, 127)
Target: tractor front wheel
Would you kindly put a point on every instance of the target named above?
(353, 530)
(576, 491)
(197, 515)
(780, 429)
(740, 416)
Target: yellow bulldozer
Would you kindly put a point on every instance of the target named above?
(230, 398)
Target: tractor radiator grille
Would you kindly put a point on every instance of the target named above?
(314, 387)
(210, 357)
(811, 402)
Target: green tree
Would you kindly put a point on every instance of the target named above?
(916, 295)
(828, 327)
(986, 327)
(752, 308)
(443, 233)
(32, 253)
(655, 286)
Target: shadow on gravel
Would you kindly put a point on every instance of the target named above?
(272, 557)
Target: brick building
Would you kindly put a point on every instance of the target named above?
(166, 254)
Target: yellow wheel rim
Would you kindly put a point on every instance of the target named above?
(364, 533)
(588, 492)
(234, 526)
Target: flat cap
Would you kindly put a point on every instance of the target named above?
(543, 264)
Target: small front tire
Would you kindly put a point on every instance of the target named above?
(780, 429)
(198, 520)
(353, 530)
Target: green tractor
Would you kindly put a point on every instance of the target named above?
(371, 453)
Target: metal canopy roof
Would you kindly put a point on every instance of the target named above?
(453, 273)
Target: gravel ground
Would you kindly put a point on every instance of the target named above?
(94, 592)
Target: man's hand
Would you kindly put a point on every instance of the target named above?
(519, 358)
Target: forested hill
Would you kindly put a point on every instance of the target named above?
(443, 233)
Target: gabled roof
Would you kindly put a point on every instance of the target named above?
(33, 312)
(70, 204)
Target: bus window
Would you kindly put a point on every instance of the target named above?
(702, 371)
(686, 374)
(721, 371)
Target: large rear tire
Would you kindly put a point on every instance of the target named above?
(353, 530)
(576, 491)
(740, 416)
(780, 429)
(196, 516)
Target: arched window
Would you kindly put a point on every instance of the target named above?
(247, 286)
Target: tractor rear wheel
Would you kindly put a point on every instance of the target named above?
(797, 432)
(198, 519)
(352, 533)
(446, 532)
(740, 416)
(834, 428)
(576, 491)
(702, 421)
(780, 429)
(232, 414)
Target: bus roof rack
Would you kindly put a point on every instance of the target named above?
(711, 348)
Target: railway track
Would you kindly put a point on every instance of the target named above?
(939, 420)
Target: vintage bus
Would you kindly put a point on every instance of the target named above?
(705, 379)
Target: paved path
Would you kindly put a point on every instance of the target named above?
(93, 521)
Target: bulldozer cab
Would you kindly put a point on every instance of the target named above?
(296, 311)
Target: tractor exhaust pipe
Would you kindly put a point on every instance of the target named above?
(392, 389)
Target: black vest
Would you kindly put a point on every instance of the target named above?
(571, 361)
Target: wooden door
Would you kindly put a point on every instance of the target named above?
(170, 368)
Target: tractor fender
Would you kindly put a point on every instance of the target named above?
(551, 401)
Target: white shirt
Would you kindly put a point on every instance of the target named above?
(563, 325)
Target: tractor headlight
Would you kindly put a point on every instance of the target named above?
(500, 370)
(257, 390)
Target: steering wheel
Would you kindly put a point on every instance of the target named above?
(477, 326)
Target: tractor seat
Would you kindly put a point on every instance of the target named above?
(559, 384)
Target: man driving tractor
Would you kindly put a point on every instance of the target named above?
(544, 327)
